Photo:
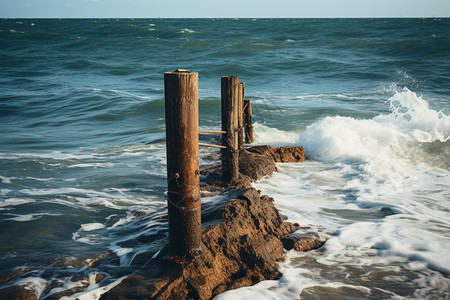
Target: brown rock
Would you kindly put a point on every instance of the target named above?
(241, 248)
(287, 154)
(65, 293)
(239, 251)
(15, 273)
(17, 292)
(255, 165)
(303, 241)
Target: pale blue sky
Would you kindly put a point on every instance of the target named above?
(222, 8)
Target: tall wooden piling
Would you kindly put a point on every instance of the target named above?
(248, 121)
(230, 124)
(241, 115)
(183, 181)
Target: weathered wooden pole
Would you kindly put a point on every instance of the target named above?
(230, 109)
(241, 115)
(183, 181)
(248, 121)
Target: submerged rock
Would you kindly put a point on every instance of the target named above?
(21, 292)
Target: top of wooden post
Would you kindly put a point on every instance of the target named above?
(178, 71)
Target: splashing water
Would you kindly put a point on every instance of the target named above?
(385, 214)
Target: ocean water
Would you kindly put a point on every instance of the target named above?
(368, 98)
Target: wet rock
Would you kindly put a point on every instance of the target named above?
(76, 262)
(16, 273)
(288, 154)
(19, 292)
(65, 293)
(303, 241)
(255, 165)
(239, 249)
(133, 287)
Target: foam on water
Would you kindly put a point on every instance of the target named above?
(6, 179)
(28, 217)
(8, 204)
(94, 291)
(380, 141)
(272, 136)
(187, 31)
(35, 284)
(364, 188)
(92, 226)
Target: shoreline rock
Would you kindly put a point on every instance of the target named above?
(243, 236)
(240, 249)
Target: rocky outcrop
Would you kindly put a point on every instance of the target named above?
(240, 249)
(243, 237)
(259, 161)
(255, 165)
(288, 154)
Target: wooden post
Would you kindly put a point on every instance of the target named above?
(230, 101)
(248, 121)
(241, 115)
(183, 181)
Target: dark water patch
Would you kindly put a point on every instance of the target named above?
(360, 215)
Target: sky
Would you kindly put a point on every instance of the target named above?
(222, 8)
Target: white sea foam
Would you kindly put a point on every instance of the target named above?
(187, 31)
(126, 255)
(93, 291)
(35, 284)
(272, 136)
(68, 285)
(40, 179)
(10, 202)
(414, 116)
(29, 217)
(6, 180)
(92, 226)
(63, 190)
(5, 191)
(122, 221)
(364, 183)
(290, 286)
(53, 155)
(122, 251)
(122, 93)
(382, 139)
(90, 239)
(93, 165)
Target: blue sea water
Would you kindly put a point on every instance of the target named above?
(368, 98)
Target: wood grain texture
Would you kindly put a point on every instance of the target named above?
(183, 181)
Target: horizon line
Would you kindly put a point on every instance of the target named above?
(236, 18)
